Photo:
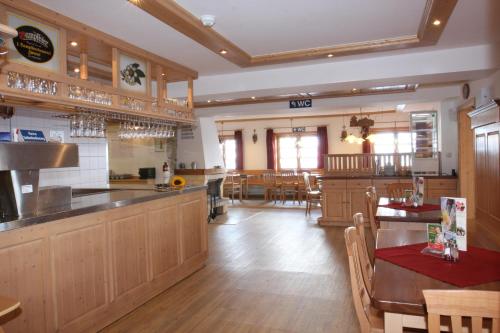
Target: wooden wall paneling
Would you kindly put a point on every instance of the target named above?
(23, 276)
(493, 167)
(62, 89)
(190, 94)
(80, 280)
(115, 73)
(128, 255)
(164, 244)
(160, 85)
(466, 164)
(191, 230)
(481, 175)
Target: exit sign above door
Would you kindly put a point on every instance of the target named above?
(300, 103)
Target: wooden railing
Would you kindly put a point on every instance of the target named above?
(368, 164)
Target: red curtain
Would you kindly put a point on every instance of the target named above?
(271, 149)
(238, 137)
(322, 146)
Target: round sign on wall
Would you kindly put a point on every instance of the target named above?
(33, 44)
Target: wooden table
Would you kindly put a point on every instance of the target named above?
(398, 291)
(391, 218)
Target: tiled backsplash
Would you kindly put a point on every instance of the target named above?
(93, 170)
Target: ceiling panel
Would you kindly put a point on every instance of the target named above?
(263, 26)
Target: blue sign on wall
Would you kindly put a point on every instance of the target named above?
(5, 137)
(32, 136)
(300, 103)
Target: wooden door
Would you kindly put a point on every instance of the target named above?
(493, 170)
(466, 164)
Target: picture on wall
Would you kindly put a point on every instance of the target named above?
(36, 45)
(132, 74)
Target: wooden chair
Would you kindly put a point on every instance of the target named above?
(364, 258)
(456, 304)
(313, 196)
(371, 207)
(397, 190)
(269, 183)
(233, 186)
(370, 320)
(7, 305)
(288, 183)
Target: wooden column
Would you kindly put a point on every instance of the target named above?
(63, 62)
(115, 68)
(160, 86)
(149, 93)
(84, 66)
(190, 93)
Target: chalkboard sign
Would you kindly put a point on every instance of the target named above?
(300, 103)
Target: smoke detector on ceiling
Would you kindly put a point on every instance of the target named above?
(207, 20)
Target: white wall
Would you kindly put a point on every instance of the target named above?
(93, 153)
(255, 156)
(486, 88)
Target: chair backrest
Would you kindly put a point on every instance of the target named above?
(397, 190)
(371, 207)
(456, 304)
(360, 295)
(232, 179)
(307, 182)
(364, 257)
(269, 178)
(287, 177)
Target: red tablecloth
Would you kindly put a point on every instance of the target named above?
(424, 208)
(475, 266)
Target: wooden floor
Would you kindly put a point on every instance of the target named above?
(270, 270)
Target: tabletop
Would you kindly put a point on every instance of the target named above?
(400, 215)
(397, 289)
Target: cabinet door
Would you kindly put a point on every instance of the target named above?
(192, 222)
(356, 202)
(481, 173)
(493, 172)
(334, 204)
(164, 239)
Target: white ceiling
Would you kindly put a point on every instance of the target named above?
(269, 25)
(263, 26)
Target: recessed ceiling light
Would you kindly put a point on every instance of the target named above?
(73, 43)
(162, 74)
(330, 55)
(253, 97)
(209, 101)
(223, 51)
(436, 22)
(354, 90)
(76, 70)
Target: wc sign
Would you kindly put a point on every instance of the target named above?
(300, 103)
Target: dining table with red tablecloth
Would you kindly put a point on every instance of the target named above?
(394, 214)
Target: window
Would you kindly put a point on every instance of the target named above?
(298, 152)
(392, 142)
(228, 150)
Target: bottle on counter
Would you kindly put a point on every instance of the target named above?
(166, 173)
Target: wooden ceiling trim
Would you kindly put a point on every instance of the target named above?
(323, 95)
(180, 19)
(239, 120)
(65, 22)
(186, 23)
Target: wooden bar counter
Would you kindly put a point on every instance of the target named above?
(345, 196)
(81, 273)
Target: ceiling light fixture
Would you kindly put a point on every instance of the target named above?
(223, 51)
(73, 43)
(207, 20)
(330, 55)
(253, 97)
(76, 70)
(436, 22)
(354, 90)
(209, 101)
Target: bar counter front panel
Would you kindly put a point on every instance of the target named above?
(82, 272)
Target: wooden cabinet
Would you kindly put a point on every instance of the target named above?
(485, 121)
(82, 273)
(342, 198)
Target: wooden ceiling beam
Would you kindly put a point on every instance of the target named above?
(65, 22)
(186, 23)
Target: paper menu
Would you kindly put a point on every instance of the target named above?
(454, 221)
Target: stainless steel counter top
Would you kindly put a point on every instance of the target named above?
(92, 203)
